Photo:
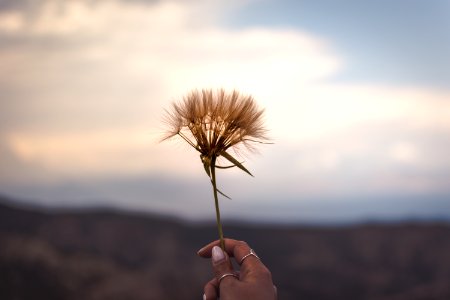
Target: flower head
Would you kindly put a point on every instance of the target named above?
(214, 121)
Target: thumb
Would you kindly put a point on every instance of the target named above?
(221, 265)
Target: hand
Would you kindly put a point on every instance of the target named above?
(254, 281)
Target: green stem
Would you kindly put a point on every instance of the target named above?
(216, 201)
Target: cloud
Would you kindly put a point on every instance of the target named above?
(84, 85)
(78, 73)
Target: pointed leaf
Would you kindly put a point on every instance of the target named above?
(206, 166)
(223, 194)
(225, 167)
(235, 162)
(220, 192)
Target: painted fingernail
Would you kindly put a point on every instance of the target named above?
(217, 254)
(201, 249)
(204, 297)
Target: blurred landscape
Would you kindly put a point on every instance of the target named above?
(106, 254)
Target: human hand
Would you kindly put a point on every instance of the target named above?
(253, 281)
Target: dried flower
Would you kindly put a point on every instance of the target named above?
(214, 122)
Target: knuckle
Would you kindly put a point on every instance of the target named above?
(222, 268)
(242, 245)
(228, 283)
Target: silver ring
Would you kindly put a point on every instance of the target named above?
(247, 255)
(225, 275)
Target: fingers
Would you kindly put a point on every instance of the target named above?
(223, 270)
(238, 250)
(245, 256)
(234, 248)
(211, 290)
(254, 277)
(206, 250)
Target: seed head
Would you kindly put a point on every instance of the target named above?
(214, 121)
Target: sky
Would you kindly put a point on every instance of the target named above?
(356, 97)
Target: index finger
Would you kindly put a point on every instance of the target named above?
(232, 247)
(206, 250)
(237, 249)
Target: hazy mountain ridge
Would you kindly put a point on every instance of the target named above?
(113, 255)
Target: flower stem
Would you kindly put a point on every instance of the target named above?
(216, 201)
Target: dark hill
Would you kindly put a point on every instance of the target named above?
(110, 255)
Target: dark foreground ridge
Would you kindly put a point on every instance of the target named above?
(112, 255)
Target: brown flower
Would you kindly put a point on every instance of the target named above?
(213, 122)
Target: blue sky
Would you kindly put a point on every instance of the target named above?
(356, 96)
(392, 42)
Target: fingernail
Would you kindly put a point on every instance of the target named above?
(204, 297)
(217, 254)
(201, 249)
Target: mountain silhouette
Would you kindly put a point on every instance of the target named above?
(107, 254)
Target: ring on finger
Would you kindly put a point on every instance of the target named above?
(252, 253)
(225, 275)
